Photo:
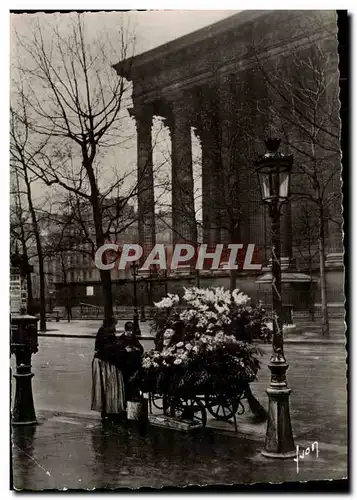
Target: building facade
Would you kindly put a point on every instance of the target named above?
(227, 82)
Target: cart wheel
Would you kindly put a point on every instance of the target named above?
(157, 401)
(241, 408)
(189, 409)
(222, 408)
(160, 402)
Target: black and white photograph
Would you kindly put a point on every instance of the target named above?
(177, 280)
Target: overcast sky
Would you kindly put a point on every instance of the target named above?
(157, 27)
(151, 28)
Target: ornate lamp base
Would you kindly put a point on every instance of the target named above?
(24, 411)
(279, 441)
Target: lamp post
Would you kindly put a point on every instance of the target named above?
(135, 271)
(274, 169)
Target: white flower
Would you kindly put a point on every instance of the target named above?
(146, 363)
(166, 341)
(166, 302)
(220, 309)
(174, 298)
(222, 295)
(179, 344)
(167, 351)
(169, 333)
(188, 347)
(240, 298)
(188, 314)
(219, 337)
(177, 361)
(211, 315)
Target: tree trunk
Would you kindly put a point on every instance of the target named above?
(255, 407)
(232, 279)
(107, 293)
(105, 276)
(42, 282)
(28, 275)
(24, 248)
(29, 293)
(66, 290)
(323, 287)
(39, 252)
(198, 281)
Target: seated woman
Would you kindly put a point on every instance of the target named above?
(131, 361)
(108, 393)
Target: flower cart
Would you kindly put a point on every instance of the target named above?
(202, 359)
(213, 379)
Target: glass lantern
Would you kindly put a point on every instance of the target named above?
(274, 171)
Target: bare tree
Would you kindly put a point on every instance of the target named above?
(306, 224)
(62, 243)
(75, 104)
(303, 108)
(21, 231)
(22, 158)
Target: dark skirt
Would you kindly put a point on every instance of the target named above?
(107, 388)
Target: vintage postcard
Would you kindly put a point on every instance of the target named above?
(177, 256)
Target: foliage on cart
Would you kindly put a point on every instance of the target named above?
(203, 344)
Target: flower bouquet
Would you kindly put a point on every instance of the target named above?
(202, 344)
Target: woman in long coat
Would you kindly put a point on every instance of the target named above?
(108, 395)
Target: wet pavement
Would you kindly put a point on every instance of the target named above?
(68, 453)
(63, 373)
(71, 450)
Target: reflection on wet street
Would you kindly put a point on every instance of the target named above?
(124, 457)
(61, 453)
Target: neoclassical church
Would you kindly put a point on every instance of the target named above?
(251, 75)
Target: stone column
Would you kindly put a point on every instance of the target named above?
(145, 183)
(183, 209)
(226, 108)
(212, 189)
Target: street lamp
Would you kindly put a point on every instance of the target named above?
(135, 271)
(274, 170)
